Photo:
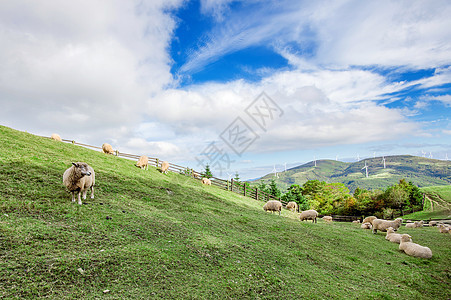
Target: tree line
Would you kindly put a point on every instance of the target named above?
(336, 199)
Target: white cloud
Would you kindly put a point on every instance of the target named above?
(338, 34)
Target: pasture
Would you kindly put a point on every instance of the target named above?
(149, 235)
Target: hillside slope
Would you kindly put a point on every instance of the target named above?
(421, 171)
(150, 235)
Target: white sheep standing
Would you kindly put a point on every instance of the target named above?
(206, 181)
(143, 162)
(369, 219)
(328, 219)
(392, 236)
(443, 229)
(366, 225)
(310, 214)
(413, 249)
(416, 224)
(107, 148)
(164, 167)
(273, 205)
(79, 178)
(293, 206)
(382, 225)
(56, 137)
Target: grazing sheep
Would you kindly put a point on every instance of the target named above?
(328, 219)
(356, 221)
(443, 229)
(206, 181)
(366, 225)
(369, 219)
(273, 205)
(293, 206)
(143, 162)
(309, 215)
(382, 225)
(413, 249)
(415, 224)
(56, 137)
(392, 236)
(433, 223)
(164, 167)
(79, 178)
(107, 148)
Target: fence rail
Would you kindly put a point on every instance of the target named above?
(234, 186)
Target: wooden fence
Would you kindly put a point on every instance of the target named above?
(229, 185)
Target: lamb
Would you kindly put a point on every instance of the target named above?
(164, 167)
(392, 236)
(293, 206)
(369, 219)
(79, 178)
(356, 221)
(56, 137)
(415, 224)
(106, 148)
(366, 225)
(206, 181)
(433, 223)
(143, 162)
(382, 225)
(328, 219)
(309, 215)
(443, 229)
(413, 249)
(273, 205)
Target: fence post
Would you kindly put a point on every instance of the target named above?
(117, 152)
(156, 161)
(73, 142)
(192, 172)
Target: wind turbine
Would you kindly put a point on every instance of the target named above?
(275, 172)
(230, 175)
(366, 169)
(374, 154)
(383, 159)
(314, 159)
(423, 152)
(285, 164)
(336, 157)
(430, 154)
(446, 156)
(358, 157)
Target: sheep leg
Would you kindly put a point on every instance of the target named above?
(73, 196)
(84, 194)
(79, 198)
(92, 192)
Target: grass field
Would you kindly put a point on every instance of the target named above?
(149, 235)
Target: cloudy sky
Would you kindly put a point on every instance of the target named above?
(244, 85)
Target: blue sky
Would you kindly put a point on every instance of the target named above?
(169, 79)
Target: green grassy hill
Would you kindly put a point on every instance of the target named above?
(150, 235)
(421, 171)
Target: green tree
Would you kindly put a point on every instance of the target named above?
(294, 193)
(273, 189)
(237, 177)
(207, 173)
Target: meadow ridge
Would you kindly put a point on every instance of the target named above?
(151, 235)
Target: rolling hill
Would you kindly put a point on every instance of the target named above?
(148, 235)
(421, 171)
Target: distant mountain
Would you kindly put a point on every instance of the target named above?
(421, 171)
